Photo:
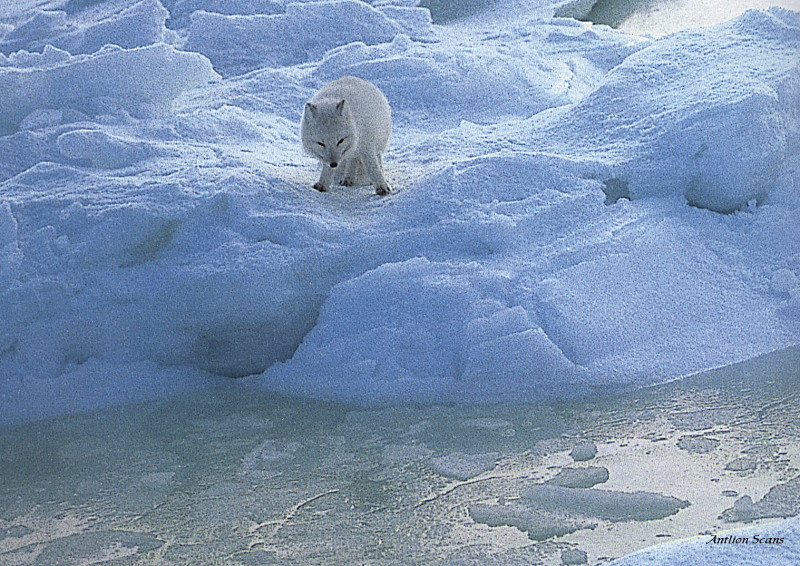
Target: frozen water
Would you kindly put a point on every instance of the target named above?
(465, 466)
(603, 504)
(228, 476)
(580, 477)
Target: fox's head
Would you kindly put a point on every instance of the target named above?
(327, 130)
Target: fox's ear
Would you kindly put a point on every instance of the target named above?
(311, 108)
(340, 107)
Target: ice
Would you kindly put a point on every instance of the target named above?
(139, 25)
(573, 556)
(577, 210)
(465, 466)
(140, 81)
(580, 477)
(584, 451)
(766, 544)
(251, 466)
(780, 501)
(539, 524)
(97, 547)
(547, 510)
(237, 44)
(698, 444)
(603, 504)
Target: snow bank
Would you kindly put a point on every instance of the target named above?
(139, 25)
(705, 115)
(237, 44)
(468, 82)
(764, 544)
(139, 81)
(182, 10)
(538, 244)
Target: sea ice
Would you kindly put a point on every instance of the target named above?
(464, 466)
(603, 504)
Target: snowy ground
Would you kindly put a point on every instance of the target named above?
(577, 211)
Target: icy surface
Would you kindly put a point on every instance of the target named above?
(229, 476)
(580, 477)
(576, 209)
(464, 466)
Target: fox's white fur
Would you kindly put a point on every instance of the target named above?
(346, 125)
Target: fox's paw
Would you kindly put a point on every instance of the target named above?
(347, 182)
(320, 187)
(382, 190)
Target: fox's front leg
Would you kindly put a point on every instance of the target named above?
(353, 173)
(374, 169)
(325, 178)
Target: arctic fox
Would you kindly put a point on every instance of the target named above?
(347, 125)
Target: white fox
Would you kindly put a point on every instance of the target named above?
(347, 125)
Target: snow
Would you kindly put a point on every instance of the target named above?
(761, 547)
(138, 25)
(139, 81)
(577, 210)
(304, 32)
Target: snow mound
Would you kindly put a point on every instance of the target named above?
(538, 244)
(472, 82)
(141, 81)
(421, 326)
(241, 43)
(708, 116)
(139, 25)
(764, 544)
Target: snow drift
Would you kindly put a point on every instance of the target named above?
(577, 209)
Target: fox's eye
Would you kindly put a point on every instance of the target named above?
(320, 144)
(340, 141)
